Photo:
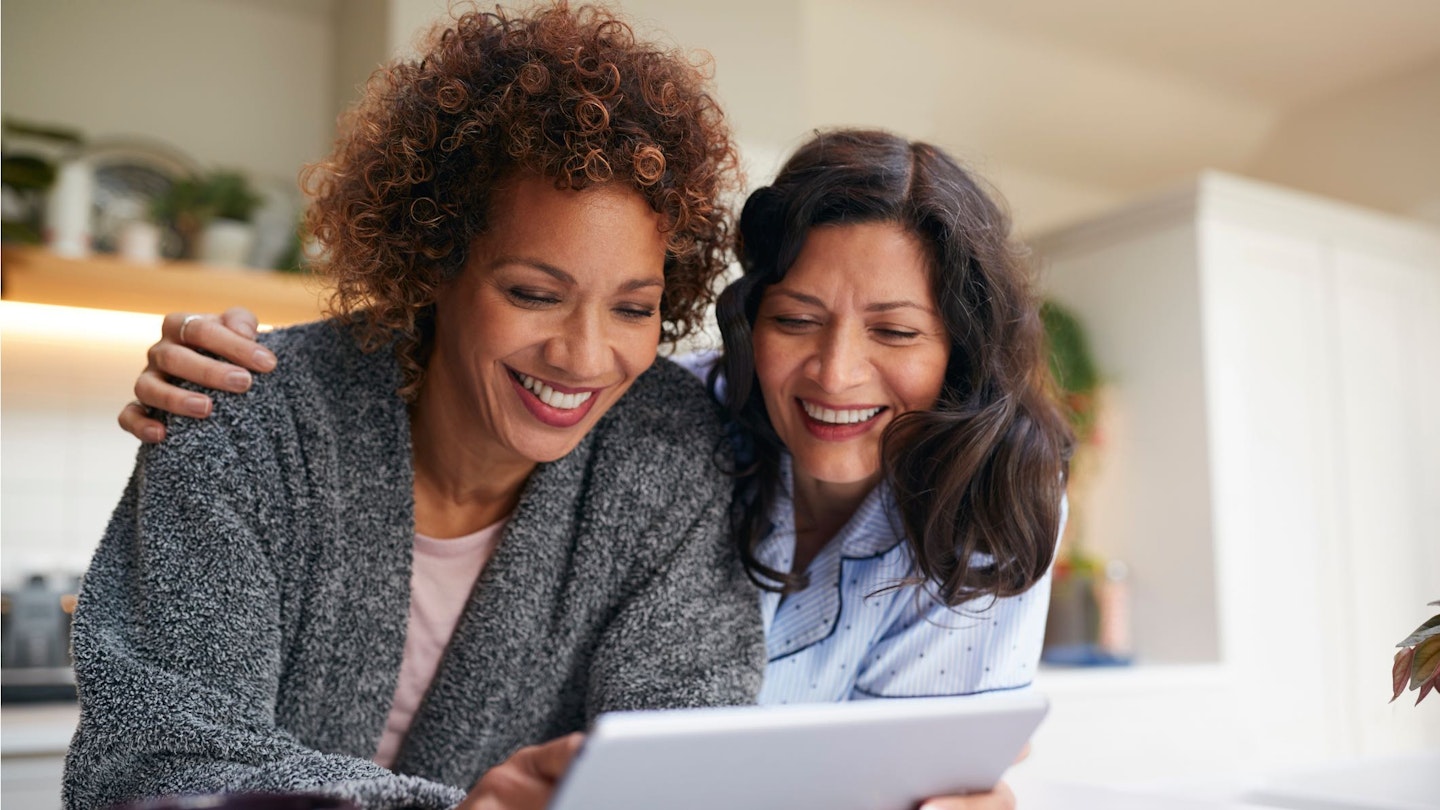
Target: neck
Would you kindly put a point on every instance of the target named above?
(464, 479)
(822, 508)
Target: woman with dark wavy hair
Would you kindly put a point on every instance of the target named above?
(441, 530)
(885, 366)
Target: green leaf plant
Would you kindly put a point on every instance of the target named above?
(1418, 662)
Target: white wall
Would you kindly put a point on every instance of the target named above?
(64, 373)
(362, 44)
(756, 48)
(234, 83)
(1149, 497)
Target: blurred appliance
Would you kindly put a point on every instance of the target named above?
(35, 640)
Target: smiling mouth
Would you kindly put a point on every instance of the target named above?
(558, 400)
(839, 416)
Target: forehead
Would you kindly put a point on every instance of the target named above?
(866, 261)
(609, 227)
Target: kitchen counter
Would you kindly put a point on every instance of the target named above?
(37, 729)
(33, 741)
(40, 734)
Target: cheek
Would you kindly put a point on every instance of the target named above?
(493, 335)
(918, 383)
(771, 366)
(638, 349)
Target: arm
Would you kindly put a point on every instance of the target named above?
(178, 644)
(230, 335)
(691, 635)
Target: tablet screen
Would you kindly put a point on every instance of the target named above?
(866, 755)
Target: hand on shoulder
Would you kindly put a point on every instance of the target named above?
(178, 357)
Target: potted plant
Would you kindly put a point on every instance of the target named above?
(228, 203)
(1418, 661)
(1088, 622)
(181, 210)
(29, 157)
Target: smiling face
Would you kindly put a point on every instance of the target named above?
(847, 341)
(554, 316)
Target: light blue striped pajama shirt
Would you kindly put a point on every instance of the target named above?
(850, 636)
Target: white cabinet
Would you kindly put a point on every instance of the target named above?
(1271, 469)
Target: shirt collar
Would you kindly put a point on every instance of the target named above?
(873, 530)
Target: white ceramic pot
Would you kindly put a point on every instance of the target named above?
(139, 242)
(227, 242)
(67, 215)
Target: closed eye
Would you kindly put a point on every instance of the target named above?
(531, 299)
(897, 334)
(794, 324)
(632, 313)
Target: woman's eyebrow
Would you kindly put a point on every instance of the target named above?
(802, 298)
(633, 285)
(887, 306)
(879, 306)
(642, 284)
(544, 267)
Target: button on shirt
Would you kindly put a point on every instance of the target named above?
(852, 635)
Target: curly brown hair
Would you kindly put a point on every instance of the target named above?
(569, 94)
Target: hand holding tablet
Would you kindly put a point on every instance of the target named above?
(866, 755)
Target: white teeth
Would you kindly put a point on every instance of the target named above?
(551, 397)
(844, 417)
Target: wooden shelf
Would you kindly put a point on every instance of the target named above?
(37, 276)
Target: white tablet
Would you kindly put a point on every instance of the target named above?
(863, 755)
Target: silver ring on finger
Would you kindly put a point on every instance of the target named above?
(185, 323)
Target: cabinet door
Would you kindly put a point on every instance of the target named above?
(1270, 391)
(1388, 348)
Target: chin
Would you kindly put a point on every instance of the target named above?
(837, 471)
(545, 449)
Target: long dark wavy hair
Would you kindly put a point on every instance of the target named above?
(978, 479)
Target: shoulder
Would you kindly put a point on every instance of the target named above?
(667, 408)
(327, 354)
(662, 438)
(322, 376)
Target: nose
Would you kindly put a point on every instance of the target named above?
(840, 361)
(580, 349)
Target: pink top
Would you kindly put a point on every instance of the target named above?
(443, 576)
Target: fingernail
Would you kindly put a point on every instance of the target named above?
(197, 406)
(154, 435)
(238, 381)
(264, 359)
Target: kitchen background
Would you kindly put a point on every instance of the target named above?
(1263, 464)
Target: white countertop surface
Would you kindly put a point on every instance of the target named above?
(37, 729)
(1406, 782)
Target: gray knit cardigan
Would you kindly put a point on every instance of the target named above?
(242, 623)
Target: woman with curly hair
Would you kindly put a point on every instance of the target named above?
(462, 516)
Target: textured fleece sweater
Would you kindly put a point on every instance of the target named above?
(242, 623)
